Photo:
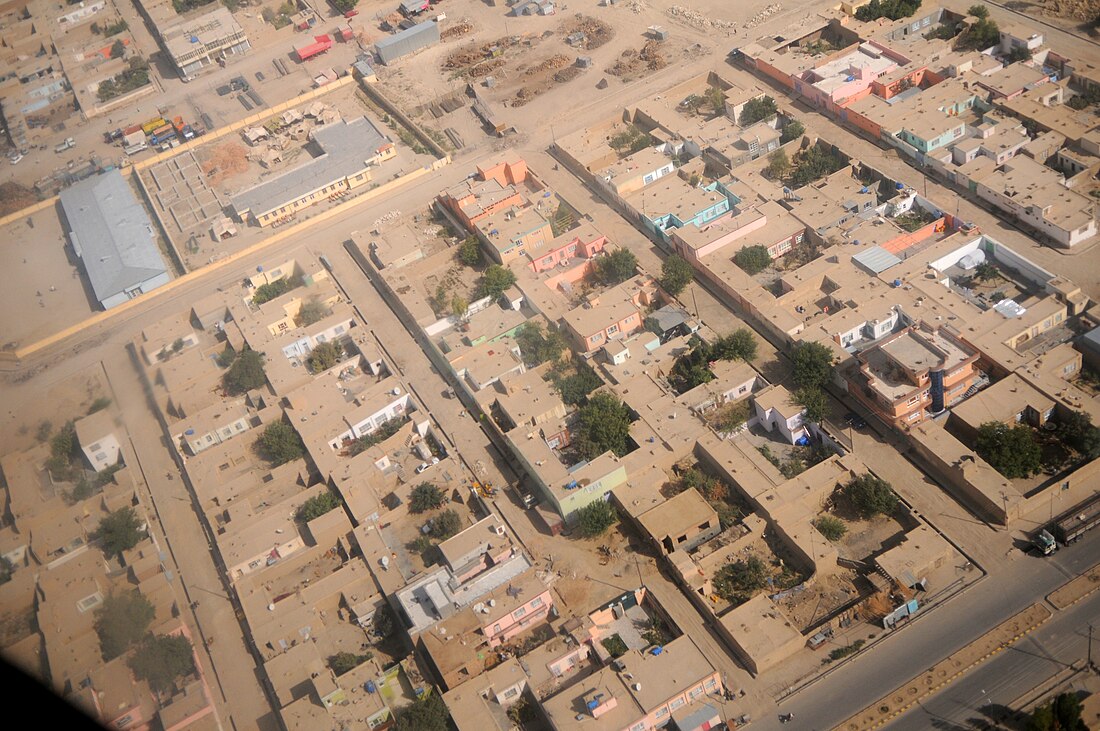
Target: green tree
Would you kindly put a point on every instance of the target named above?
(425, 497)
(120, 531)
(344, 662)
(813, 364)
(1063, 713)
(118, 49)
(317, 506)
(469, 251)
(792, 131)
(495, 280)
(616, 267)
(459, 306)
(676, 273)
(871, 496)
(737, 582)
(445, 525)
(738, 345)
(121, 621)
(692, 369)
(383, 622)
(980, 36)
(978, 11)
(595, 518)
(575, 387)
(161, 659)
(324, 356)
(1076, 429)
(814, 163)
(778, 166)
(756, 110)
(539, 345)
(602, 424)
(427, 713)
(246, 373)
(832, 528)
(1012, 451)
(344, 6)
(729, 416)
(753, 259)
(271, 290)
(892, 9)
(99, 404)
(312, 311)
(279, 443)
(716, 99)
(1018, 54)
(813, 403)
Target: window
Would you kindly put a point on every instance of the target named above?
(536, 602)
(519, 612)
(695, 692)
(496, 628)
(661, 712)
(677, 703)
(711, 684)
(511, 693)
(1069, 368)
(914, 416)
(339, 330)
(612, 330)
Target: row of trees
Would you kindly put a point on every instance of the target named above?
(808, 165)
(1015, 452)
(892, 9)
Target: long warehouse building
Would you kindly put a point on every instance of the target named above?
(408, 41)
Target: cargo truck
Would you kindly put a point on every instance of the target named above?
(1075, 523)
(153, 125)
(163, 134)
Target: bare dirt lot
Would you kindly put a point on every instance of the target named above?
(43, 291)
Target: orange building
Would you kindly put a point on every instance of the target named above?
(913, 373)
(492, 189)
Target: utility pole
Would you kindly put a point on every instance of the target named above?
(1090, 665)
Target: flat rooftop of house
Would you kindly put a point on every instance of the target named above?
(483, 535)
(472, 705)
(1059, 117)
(479, 195)
(679, 514)
(976, 471)
(643, 161)
(865, 60)
(671, 194)
(527, 396)
(760, 626)
(503, 226)
(916, 352)
(1012, 79)
(1030, 183)
(613, 306)
(346, 148)
(433, 597)
(778, 220)
(491, 323)
(1001, 402)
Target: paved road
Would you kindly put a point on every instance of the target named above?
(935, 636)
(986, 693)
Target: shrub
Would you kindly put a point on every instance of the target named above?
(615, 645)
(445, 525)
(312, 311)
(792, 131)
(425, 497)
(892, 9)
(343, 662)
(121, 621)
(1012, 451)
(595, 518)
(738, 345)
(730, 416)
(737, 582)
(469, 251)
(575, 387)
(756, 110)
(538, 344)
(246, 373)
(317, 506)
(813, 365)
(279, 443)
(120, 531)
(616, 267)
(384, 431)
(832, 528)
(813, 403)
(871, 496)
(603, 424)
(753, 259)
(676, 274)
(99, 404)
(494, 281)
(271, 290)
(427, 713)
(161, 659)
(778, 165)
(324, 356)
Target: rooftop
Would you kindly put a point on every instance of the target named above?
(112, 234)
(345, 150)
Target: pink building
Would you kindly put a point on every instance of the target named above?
(524, 603)
(583, 242)
(610, 315)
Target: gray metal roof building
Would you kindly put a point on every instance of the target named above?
(347, 149)
(111, 233)
(408, 41)
(876, 259)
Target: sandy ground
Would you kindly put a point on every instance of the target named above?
(34, 261)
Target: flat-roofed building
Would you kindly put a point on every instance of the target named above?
(98, 439)
(681, 523)
(342, 157)
(760, 634)
(195, 41)
(111, 233)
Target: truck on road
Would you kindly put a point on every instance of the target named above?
(1044, 542)
(1076, 522)
(163, 134)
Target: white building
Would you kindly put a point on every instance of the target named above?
(98, 440)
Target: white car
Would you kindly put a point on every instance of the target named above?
(421, 467)
(15, 157)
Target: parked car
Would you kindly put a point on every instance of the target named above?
(259, 76)
(854, 420)
(15, 157)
